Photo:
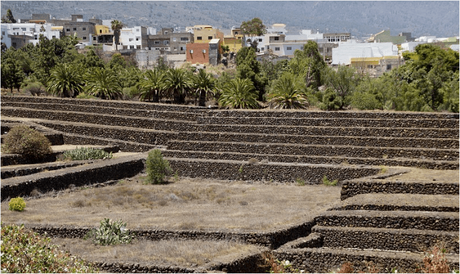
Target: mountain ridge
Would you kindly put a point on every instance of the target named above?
(360, 18)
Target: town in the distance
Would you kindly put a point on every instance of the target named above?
(204, 44)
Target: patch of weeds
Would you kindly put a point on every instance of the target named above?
(25, 251)
(329, 183)
(157, 167)
(110, 233)
(17, 204)
(176, 177)
(300, 182)
(78, 203)
(277, 266)
(383, 169)
(86, 153)
(385, 156)
(434, 260)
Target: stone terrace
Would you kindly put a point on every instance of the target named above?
(402, 218)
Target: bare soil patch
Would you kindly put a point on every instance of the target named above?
(180, 253)
(425, 175)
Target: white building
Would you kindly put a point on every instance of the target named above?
(30, 30)
(345, 51)
(133, 38)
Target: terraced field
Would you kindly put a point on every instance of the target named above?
(251, 177)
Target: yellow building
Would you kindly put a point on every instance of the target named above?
(205, 33)
(375, 66)
(101, 29)
(234, 40)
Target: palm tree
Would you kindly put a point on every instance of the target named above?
(177, 83)
(104, 83)
(287, 92)
(204, 84)
(238, 93)
(66, 80)
(152, 85)
(116, 27)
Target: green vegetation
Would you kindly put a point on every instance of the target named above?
(157, 167)
(329, 183)
(427, 81)
(24, 251)
(110, 233)
(86, 153)
(17, 204)
(27, 142)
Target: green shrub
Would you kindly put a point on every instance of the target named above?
(110, 233)
(86, 153)
(34, 88)
(329, 183)
(157, 167)
(24, 251)
(26, 141)
(17, 204)
(84, 95)
(331, 101)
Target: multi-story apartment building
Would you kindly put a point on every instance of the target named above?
(18, 35)
(169, 41)
(134, 38)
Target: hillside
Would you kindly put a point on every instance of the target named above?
(360, 18)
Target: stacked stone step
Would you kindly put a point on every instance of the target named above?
(380, 221)
(291, 137)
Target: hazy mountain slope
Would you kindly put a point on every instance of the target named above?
(438, 18)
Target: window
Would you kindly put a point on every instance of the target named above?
(276, 38)
(277, 48)
(181, 48)
(209, 37)
(260, 40)
(83, 28)
(262, 49)
(174, 39)
(3, 33)
(23, 29)
(100, 31)
(388, 67)
(165, 42)
(301, 47)
(84, 38)
(199, 38)
(67, 29)
(137, 38)
(289, 48)
(131, 39)
(54, 36)
(36, 37)
(184, 39)
(74, 28)
(94, 38)
(156, 42)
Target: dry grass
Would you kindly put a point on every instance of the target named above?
(189, 204)
(182, 253)
(424, 175)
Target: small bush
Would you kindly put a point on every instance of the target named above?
(110, 233)
(27, 142)
(329, 183)
(435, 260)
(24, 251)
(17, 204)
(86, 153)
(157, 167)
(35, 88)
